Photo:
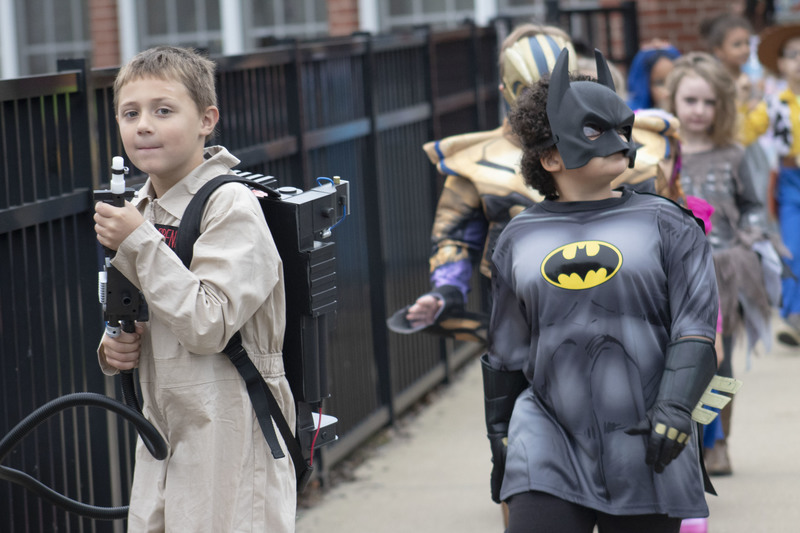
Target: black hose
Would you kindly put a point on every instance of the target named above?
(149, 434)
(59, 500)
(129, 390)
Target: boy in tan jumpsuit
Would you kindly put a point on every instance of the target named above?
(219, 474)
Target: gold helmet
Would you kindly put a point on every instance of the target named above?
(529, 58)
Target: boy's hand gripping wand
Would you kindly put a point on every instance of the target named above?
(123, 303)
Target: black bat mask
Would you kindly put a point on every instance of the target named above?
(581, 107)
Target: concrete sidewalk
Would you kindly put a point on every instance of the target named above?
(431, 474)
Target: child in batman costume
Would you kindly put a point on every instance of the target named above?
(484, 188)
(600, 338)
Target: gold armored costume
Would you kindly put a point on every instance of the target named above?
(484, 188)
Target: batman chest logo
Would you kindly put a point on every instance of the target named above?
(581, 265)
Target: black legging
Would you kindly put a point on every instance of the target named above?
(726, 366)
(539, 512)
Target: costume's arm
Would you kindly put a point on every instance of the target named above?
(690, 365)
(500, 392)
(503, 378)
(510, 331)
(754, 123)
(690, 359)
(691, 279)
(234, 269)
(458, 234)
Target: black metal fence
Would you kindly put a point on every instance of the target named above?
(359, 107)
(614, 29)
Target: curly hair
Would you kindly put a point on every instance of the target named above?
(530, 124)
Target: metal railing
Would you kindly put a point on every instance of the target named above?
(614, 29)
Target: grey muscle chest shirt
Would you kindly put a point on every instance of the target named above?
(587, 295)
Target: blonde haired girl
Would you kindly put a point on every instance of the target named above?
(703, 98)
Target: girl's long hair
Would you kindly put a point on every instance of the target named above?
(707, 67)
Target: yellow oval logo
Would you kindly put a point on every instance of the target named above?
(581, 265)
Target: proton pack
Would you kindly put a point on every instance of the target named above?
(300, 223)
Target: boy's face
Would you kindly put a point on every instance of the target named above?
(161, 128)
(735, 48)
(658, 81)
(789, 62)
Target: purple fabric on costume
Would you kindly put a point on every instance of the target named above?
(457, 274)
(475, 233)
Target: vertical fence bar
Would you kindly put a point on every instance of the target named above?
(372, 184)
(294, 92)
(630, 24)
(433, 85)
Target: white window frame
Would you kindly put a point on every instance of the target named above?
(536, 10)
(448, 18)
(52, 50)
(281, 29)
(198, 38)
(9, 59)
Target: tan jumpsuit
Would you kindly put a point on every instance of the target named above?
(219, 474)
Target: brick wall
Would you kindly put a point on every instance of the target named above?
(342, 17)
(105, 35)
(678, 21)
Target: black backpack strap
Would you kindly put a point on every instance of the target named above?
(189, 229)
(264, 403)
(267, 409)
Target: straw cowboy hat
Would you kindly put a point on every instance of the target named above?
(771, 43)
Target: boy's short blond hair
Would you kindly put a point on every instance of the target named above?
(183, 65)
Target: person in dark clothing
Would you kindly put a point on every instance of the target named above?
(601, 332)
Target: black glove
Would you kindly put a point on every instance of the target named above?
(690, 365)
(453, 319)
(500, 391)
(499, 444)
(669, 426)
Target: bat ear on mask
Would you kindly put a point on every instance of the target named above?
(559, 84)
(603, 72)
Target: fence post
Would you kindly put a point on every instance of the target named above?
(552, 11)
(432, 85)
(85, 141)
(631, 24)
(477, 76)
(295, 94)
(371, 185)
